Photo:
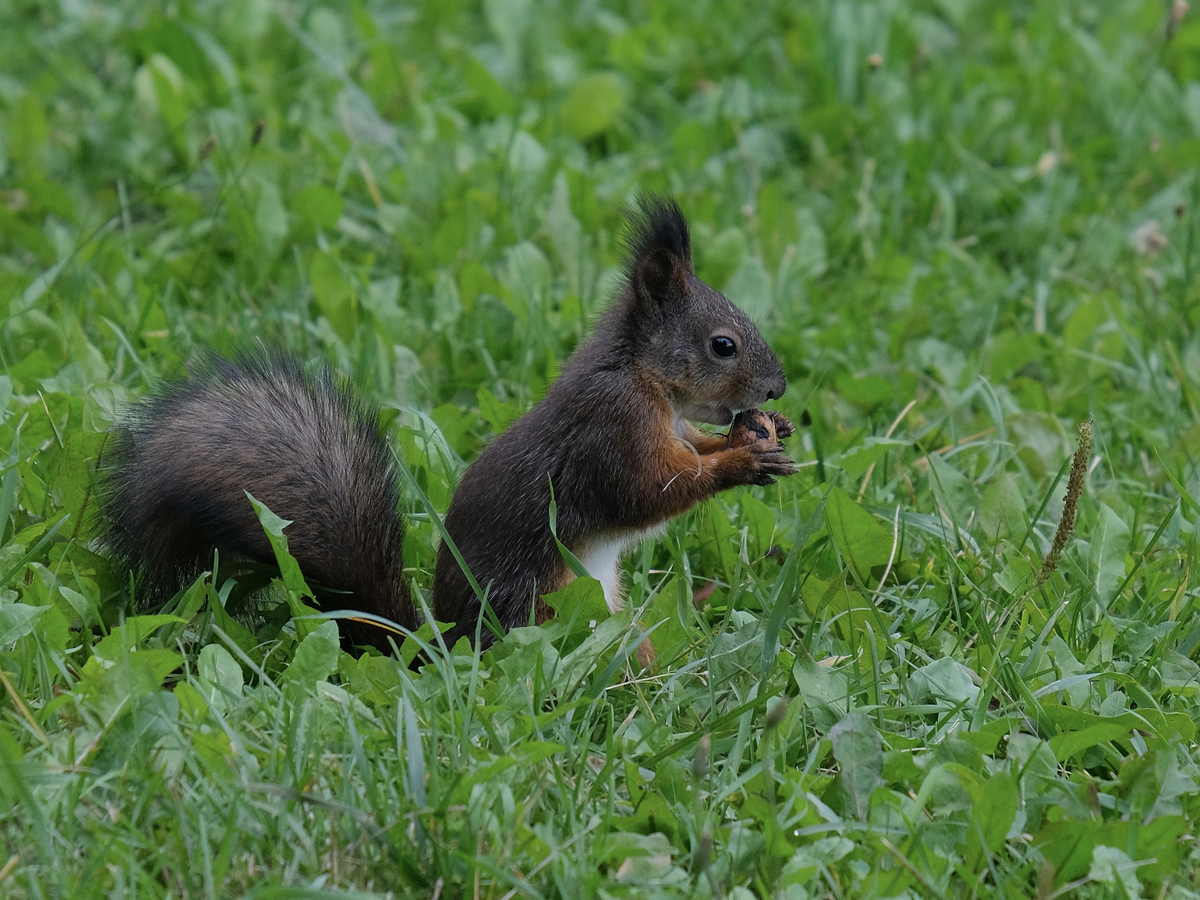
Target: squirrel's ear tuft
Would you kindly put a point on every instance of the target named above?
(658, 246)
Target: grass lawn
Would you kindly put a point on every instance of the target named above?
(967, 227)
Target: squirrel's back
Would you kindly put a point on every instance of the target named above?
(178, 470)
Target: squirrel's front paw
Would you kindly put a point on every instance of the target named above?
(770, 463)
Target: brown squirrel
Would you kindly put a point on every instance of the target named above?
(611, 443)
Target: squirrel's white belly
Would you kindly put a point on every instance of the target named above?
(602, 558)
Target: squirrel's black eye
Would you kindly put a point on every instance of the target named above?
(724, 347)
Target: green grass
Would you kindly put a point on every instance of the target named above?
(961, 250)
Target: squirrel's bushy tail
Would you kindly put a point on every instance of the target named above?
(304, 443)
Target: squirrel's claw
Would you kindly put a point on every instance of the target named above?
(772, 464)
(783, 425)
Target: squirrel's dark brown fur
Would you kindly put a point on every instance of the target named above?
(303, 443)
(611, 441)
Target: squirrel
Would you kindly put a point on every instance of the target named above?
(611, 443)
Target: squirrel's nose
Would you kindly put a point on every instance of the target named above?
(778, 386)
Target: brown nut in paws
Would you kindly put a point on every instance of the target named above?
(753, 426)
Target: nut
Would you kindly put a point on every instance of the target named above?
(752, 426)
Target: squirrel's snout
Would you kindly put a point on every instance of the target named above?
(777, 387)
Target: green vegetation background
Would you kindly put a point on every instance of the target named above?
(966, 227)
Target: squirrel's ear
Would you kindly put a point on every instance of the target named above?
(659, 247)
(656, 272)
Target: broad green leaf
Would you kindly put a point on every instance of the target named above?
(83, 606)
(233, 629)
(750, 286)
(864, 543)
(850, 612)
(1158, 839)
(316, 656)
(289, 569)
(759, 520)
(811, 259)
(956, 496)
(526, 154)
(169, 37)
(496, 100)
(216, 665)
(859, 752)
(1002, 510)
(946, 680)
(126, 675)
(566, 233)
(1084, 322)
(1179, 673)
(1068, 846)
(868, 392)
(1109, 542)
(1113, 866)
(498, 414)
(317, 205)
(526, 274)
(131, 633)
(993, 809)
(271, 220)
(1071, 743)
(668, 611)
(31, 132)
(652, 815)
(821, 687)
(220, 677)
(777, 221)
(807, 861)
(414, 754)
(719, 547)
(1010, 350)
(780, 603)
(333, 292)
(447, 304)
(167, 85)
(17, 620)
(593, 105)
(1156, 727)
(581, 602)
(858, 459)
